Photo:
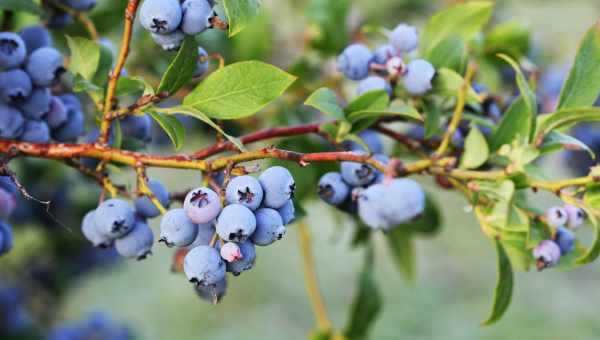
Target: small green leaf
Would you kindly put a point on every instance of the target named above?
(325, 101)
(403, 111)
(118, 142)
(372, 100)
(592, 199)
(433, 122)
(476, 150)
(515, 122)
(105, 64)
(556, 141)
(511, 38)
(239, 90)
(130, 86)
(447, 82)
(566, 118)
(401, 245)
(450, 53)
(85, 56)
(583, 83)
(504, 286)
(181, 69)
(240, 14)
(28, 6)
(172, 126)
(81, 84)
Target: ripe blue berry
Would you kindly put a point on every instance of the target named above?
(230, 252)
(45, 66)
(556, 216)
(169, 41)
(565, 240)
(196, 16)
(114, 218)
(575, 216)
(6, 238)
(37, 104)
(11, 122)
(145, 207)
(404, 38)
(161, 16)
(370, 207)
(354, 61)
(202, 205)
(332, 189)
(57, 113)
(373, 83)
(12, 50)
(59, 20)
(269, 227)
(176, 229)
(137, 243)
(547, 254)
(71, 130)
(245, 262)
(213, 294)
(287, 212)
(15, 86)
(405, 201)
(278, 185)
(8, 203)
(139, 127)
(245, 190)
(7, 184)
(236, 223)
(80, 5)
(383, 53)
(370, 138)
(91, 232)
(203, 266)
(35, 37)
(35, 131)
(71, 101)
(357, 174)
(202, 64)
(205, 234)
(418, 77)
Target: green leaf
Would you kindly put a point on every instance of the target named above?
(240, 14)
(567, 117)
(463, 20)
(172, 126)
(181, 69)
(511, 38)
(366, 305)
(403, 111)
(325, 101)
(476, 150)
(81, 84)
(583, 84)
(450, 53)
(85, 56)
(504, 286)
(105, 64)
(447, 82)
(515, 122)
(433, 122)
(239, 90)
(401, 245)
(327, 19)
(130, 86)
(556, 141)
(28, 6)
(429, 223)
(592, 199)
(372, 100)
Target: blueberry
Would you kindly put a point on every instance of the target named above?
(373, 83)
(269, 227)
(547, 253)
(35, 131)
(37, 104)
(244, 263)
(137, 243)
(35, 37)
(565, 240)
(214, 293)
(202, 205)
(59, 19)
(57, 113)
(206, 232)
(203, 266)
(8, 203)
(332, 189)
(7, 184)
(145, 207)
(6, 238)
(357, 174)
(404, 38)
(278, 185)
(287, 212)
(370, 207)
(245, 190)
(161, 16)
(45, 66)
(139, 127)
(354, 61)
(12, 50)
(230, 252)
(556, 216)
(91, 232)
(71, 101)
(15, 86)
(370, 138)
(71, 130)
(80, 5)
(170, 41)
(114, 218)
(405, 201)
(11, 122)
(575, 216)
(236, 223)
(196, 16)
(418, 77)
(202, 64)
(176, 229)
(383, 53)
(458, 139)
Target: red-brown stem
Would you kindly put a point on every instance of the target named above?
(410, 143)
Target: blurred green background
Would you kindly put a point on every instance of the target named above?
(456, 268)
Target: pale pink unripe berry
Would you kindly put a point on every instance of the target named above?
(575, 216)
(230, 252)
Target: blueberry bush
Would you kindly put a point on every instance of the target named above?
(358, 121)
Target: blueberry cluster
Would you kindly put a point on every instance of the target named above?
(58, 18)
(256, 212)
(8, 199)
(97, 326)
(357, 62)
(360, 188)
(14, 317)
(119, 223)
(548, 252)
